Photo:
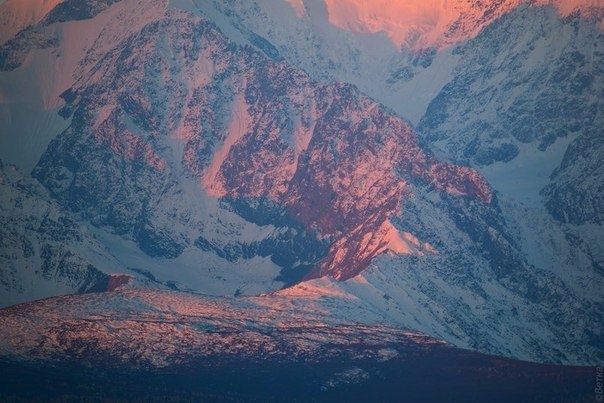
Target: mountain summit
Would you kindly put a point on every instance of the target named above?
(420, 25)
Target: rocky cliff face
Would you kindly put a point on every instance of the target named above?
(574, 193)
(179, 99)
(43, 250)
(527, 89)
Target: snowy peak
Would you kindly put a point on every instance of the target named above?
(176, 99)
(437, 24)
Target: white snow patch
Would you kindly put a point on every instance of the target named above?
(240, 124)
(26, 132)
(316, 289)
(299, 6)
(303, 132)
(205, 8)
(566, 7)
(523, 177)
(196, 270)
(16, 15)
(405, 243)
(345, 378)
(411, 98)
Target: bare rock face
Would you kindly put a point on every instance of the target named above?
(244, 127)
(575, 192)
(493, 112)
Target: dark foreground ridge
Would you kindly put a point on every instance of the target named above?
(145, 345)
(438, 374)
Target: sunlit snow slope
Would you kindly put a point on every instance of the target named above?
(420, 24)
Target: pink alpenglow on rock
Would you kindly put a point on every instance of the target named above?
(422, 24)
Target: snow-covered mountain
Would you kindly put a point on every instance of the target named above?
(231, 148)
(509, 63)
(301, 346)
